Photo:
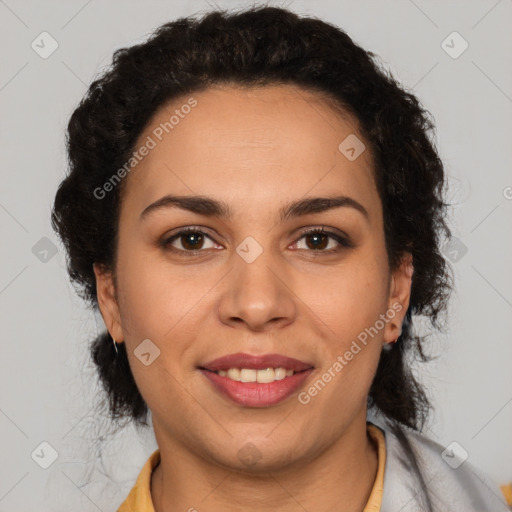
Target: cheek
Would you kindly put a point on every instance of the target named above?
(159, 306)
(152, 298)
(350, 300)
(165, 304)
(350, 304)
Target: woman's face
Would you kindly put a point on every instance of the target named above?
(256, 283)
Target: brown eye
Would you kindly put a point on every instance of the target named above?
(188, 240)
(319, 240)
(192, 241)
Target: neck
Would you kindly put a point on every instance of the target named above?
(340, 477)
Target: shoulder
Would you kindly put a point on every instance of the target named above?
(452, 482)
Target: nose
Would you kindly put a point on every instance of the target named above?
(257, 295)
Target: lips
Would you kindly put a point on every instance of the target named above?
(254, 394)
(242, 360)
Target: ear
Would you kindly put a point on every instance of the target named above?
(107, 302)
(399, 295)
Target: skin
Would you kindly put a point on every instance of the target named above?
(255, 149)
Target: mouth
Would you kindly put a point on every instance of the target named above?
(256, 381)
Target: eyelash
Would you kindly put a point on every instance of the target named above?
(344, 242)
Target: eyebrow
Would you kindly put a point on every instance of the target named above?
(209, 207)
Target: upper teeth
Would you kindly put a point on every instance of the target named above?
(250, 375)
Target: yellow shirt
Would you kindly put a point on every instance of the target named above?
(139, 499)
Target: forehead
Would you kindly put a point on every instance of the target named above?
(250, 146)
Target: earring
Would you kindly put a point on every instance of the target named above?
(115, 345)
(386, 347)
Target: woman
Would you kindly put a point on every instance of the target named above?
(256, 209)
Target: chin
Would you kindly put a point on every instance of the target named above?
(260, 455)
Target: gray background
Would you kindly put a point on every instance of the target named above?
(48, 384)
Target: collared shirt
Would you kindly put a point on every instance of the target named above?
(437, 477)
(139, 498)
(448, 481)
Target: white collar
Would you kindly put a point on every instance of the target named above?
(464, 489)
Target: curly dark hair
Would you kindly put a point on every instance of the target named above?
(254, 47)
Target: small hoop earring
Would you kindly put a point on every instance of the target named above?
(386, 347)
(115, 345)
